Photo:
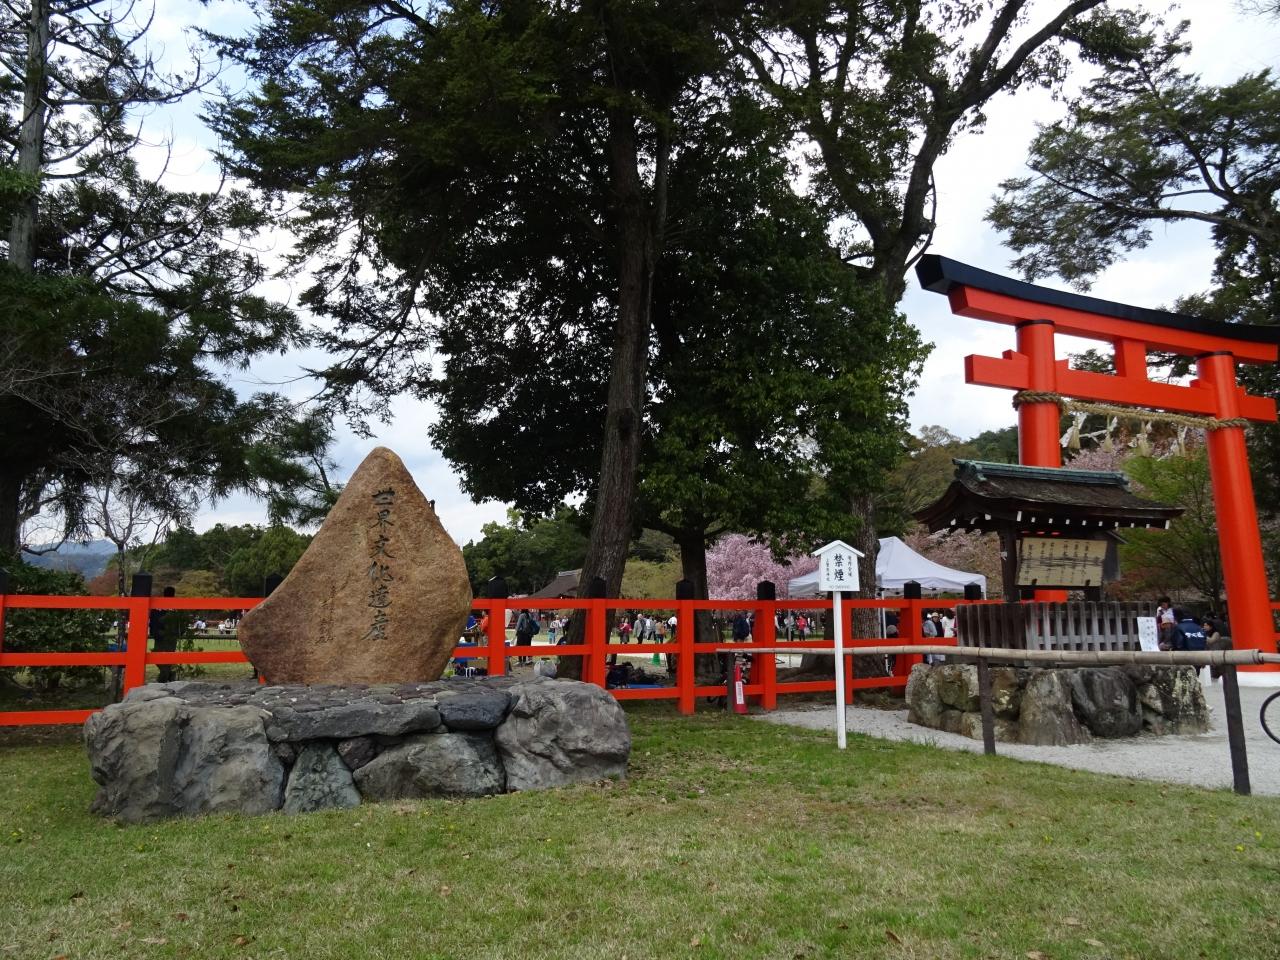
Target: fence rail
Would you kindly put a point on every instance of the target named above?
(1031, 625)
(764, 686)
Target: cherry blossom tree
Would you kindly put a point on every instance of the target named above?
(736, 563)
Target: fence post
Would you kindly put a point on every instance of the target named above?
(270, 582)
(686, 629)
(913, 630)
(496, 633)
(597, 666)
(4, 590)
(987, 707)
(1235, 731)
(972, 591)
(135, 665)
(765, 633)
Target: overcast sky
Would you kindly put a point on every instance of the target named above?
(1179, 262)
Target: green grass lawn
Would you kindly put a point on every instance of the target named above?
(731, 839)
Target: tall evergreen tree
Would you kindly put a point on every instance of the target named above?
(122, 301)
(507, 165)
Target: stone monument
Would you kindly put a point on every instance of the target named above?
(353, 643)
(380, 596)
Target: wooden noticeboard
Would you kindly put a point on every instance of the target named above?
(1057, 562)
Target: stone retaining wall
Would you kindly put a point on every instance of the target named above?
(1059, 705)
(191, 748)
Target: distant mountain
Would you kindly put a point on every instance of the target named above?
(88, 559)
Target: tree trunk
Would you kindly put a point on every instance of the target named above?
(10, 495)
(693, 567)
(31, 136)
(611, 524)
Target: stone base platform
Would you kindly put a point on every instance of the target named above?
(1058, 706)
(192, 748)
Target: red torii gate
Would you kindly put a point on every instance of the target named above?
(1038, 313)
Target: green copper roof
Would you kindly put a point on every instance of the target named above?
(1015, 471)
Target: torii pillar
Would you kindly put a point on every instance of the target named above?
(1038, 314)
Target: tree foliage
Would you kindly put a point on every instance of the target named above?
(275, 551)
(920, 477)
(1148, 142)
(221, 561)
(51, 631)
(1186, 556)
(736, 564)
(878, 92)
(528, 555)
(122, 301)
(504, 167)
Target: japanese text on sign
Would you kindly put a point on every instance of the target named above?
(379, 571)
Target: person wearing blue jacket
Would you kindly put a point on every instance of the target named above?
(1188, 634)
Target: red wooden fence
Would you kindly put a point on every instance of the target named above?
(764, 684)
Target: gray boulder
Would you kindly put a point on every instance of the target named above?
(440, 765)
(958, 686)
(474, 710)
(1106, 701)
(1046, 718)
(357, 718)
(560, 732)
(950, 720)
(161, 757)
(1174, 702)
(357, 751)
(320, 780)
(923, 705)
(1006, 691)
(971, 726)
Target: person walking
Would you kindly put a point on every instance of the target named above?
(167, 628)
(526, 626)
(624, 636)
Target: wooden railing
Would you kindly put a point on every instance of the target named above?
(595, 649)
(1030, 625)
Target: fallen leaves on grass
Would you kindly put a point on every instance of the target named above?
(155, 941)
(1036, 955)
(1073, 921)
(893, 936)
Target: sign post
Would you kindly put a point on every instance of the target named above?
(838, 572)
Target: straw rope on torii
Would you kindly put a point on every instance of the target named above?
(1119, 410)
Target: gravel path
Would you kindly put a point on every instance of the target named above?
(1202, 760)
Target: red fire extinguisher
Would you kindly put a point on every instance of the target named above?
(739, 692)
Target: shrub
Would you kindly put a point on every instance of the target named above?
(52, 631)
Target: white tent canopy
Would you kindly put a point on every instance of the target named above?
(896, 563)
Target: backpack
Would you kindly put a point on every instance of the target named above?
(535, 626)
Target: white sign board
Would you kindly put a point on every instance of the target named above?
(1148, 634)
(837, 567)
(838, 572)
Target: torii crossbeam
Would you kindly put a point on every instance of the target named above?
(1038, 314)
